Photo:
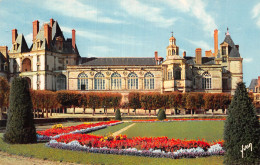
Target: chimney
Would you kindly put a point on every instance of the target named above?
(160, 60)
(35, 29)
(198, 55)
(258, 80)
(14, 35)
(184, 54)
(215, 42)
(237, 46)
(47, 34)
(73, 38)
(51, 22)
(208, 53)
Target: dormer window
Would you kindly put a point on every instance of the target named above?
(38, 44)
(224, 50)
(15, 46)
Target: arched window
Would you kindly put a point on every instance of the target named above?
(61, 82)
(116, 81)
(206, 81)
(173, 52)
(26, 65)
(82, 81)
(99, 81)
(177, 74)
(169, 52)
(148, 81)
(132, 81)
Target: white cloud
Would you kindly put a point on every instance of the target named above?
(248, 60)
(256, 14)
(146, 12)
(97, 37)
(195, 8)
(200, 44)
(77, 9)
(103, 51)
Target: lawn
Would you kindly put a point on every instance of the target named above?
(110, 129)
(208, 130)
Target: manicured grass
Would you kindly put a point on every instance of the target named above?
(110, 129)
(208, 130)
(40, 151)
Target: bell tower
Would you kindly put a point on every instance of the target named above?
(172, 49)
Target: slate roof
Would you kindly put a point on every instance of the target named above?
(205, 60)
(253, 84)
(56, 32)
(22, 45)
(118, 61)
(234, 51)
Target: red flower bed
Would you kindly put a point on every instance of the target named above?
(143, 143)
(57, 131)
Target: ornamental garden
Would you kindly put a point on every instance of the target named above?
(164, 140)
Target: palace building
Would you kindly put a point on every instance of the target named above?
(53, 62)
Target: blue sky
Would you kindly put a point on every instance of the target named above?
(137, 28)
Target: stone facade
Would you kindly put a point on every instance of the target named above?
(53, 63)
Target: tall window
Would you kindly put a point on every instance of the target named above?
(116, 81)
(26, 65)
(169, 75)
(148, 81)
(99, 81)
(177, 75)
(206, 81)
(224, 50)
(61, 82)
(132, 81)
(82, 81)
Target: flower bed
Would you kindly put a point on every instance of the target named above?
(170, 120)
(58, 130)
(139, 146)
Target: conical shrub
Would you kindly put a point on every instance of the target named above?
(241, 128)
(161, 115)
(20, 125)
(118, 115)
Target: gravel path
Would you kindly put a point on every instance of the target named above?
(122, 130)
(7, 159)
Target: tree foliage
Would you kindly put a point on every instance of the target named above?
(4, 92)
(241, 128)
(20, 125)
(118, 115)
(161, 114)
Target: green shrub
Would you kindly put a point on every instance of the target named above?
(118, 115)
(161, 114)
(241, 128)
(20, 125)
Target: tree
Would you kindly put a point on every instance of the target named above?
(208, 102)
(241, 128)
(94, 101)
(191, 102)
(4, 94)
(20, 125)
(116, 100)
(118, 115)
(161, 114)
(134, 100)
